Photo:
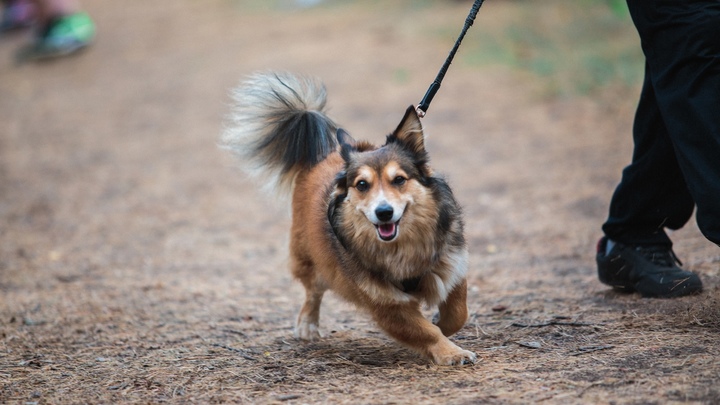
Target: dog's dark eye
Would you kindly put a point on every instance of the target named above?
(399, 180)
(362, 185)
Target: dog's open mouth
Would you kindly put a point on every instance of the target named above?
(388, 231)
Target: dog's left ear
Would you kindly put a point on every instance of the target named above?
(410, 132)
(347, 144)
(340, 183)
(337, 197)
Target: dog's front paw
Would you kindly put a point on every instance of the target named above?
(458, 359)
(452, 355)
(307, 330)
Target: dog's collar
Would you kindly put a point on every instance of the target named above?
(409, 285)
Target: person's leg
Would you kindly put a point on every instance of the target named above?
(683, 54)
(677, 145)
(652, 194)
(16, 14)
(49, 9)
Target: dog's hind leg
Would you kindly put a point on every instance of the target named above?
(406, 324)
(307, 325)
(453, 311)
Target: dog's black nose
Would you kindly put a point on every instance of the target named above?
(384, 212)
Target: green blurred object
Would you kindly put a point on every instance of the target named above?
(618, 7)
(575, 47)
(63, 36)
(401, 76)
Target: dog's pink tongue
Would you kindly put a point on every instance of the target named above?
(386, 230)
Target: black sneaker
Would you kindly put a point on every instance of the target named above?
(652, 271)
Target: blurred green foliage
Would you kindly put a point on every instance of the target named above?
(576, 47)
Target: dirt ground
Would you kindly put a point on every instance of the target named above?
(138, 265)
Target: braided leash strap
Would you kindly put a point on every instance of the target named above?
(435, 86)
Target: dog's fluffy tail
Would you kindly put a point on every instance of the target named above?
(278, 127)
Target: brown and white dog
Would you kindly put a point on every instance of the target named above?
(373, 224)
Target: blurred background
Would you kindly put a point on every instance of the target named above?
(133, 253)
(128, 126)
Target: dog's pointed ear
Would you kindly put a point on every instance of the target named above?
(347, 144)
(337, 197)
(341, 182)
(410, 132)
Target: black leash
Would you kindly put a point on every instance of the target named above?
(435, 86)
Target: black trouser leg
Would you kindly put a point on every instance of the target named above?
(652, 194)
(676, 160)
